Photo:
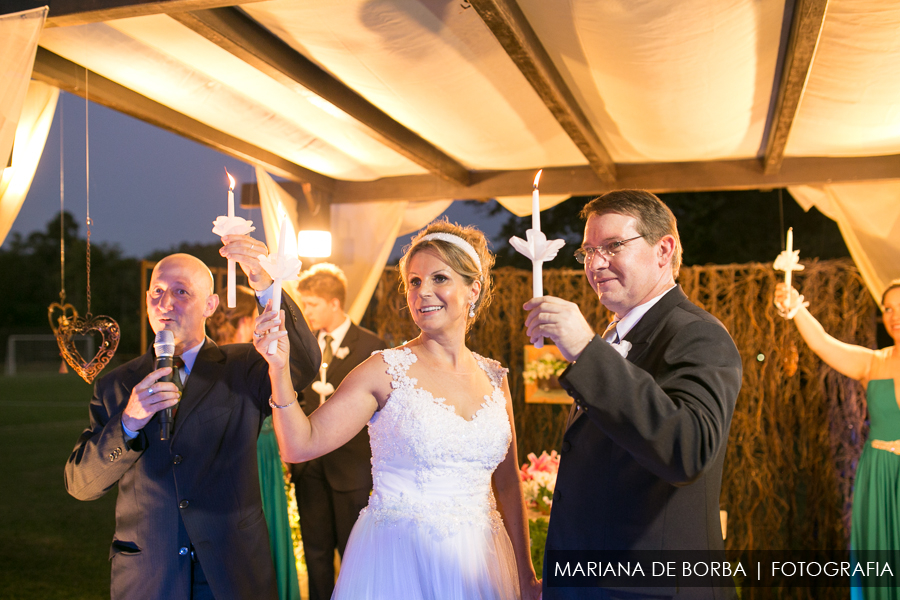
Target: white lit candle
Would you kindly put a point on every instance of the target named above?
(536, 247)
(536, 204)
(276, 293)
(537, 265)
(232, 290)
(323, 370)
(790, 252)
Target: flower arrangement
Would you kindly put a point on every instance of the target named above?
(539, 480)
(547, 367)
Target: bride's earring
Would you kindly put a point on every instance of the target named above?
(471, 309)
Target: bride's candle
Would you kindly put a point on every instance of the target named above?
(790, 251)
(276, 293)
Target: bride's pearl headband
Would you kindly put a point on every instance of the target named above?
(457, 241)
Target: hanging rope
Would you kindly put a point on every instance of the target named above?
(87, 183)
(70, 325)
(62, 204)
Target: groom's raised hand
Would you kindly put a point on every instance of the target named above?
(561, 321)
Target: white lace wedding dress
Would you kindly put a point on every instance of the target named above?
(431, 529)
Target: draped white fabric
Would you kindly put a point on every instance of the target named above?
(363, 235)
(670, 80)
(274, 203)
(868, 214)
(31, 136)
(19, 33)
(659, 81)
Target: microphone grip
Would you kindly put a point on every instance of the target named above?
(165, 416)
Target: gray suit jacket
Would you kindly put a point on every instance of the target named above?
(641, 465)
(201, 487)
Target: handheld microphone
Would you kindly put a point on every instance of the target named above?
(164, 347)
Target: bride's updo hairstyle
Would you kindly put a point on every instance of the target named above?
(448, 242)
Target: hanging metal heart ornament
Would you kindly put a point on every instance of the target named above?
(68, 324)
(109, 341)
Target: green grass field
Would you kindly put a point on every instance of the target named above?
(51, 545)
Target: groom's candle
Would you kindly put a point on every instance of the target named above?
(536, 204)
(232, 290)
(537, 263)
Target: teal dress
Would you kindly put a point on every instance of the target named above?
(274, 499)
(875, 520)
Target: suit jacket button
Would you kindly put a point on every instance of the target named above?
(183, 504)
(183, 551)
(566, 446)
(176, 460)
(112, 456)
(557, 495)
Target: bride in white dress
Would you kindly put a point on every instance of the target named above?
(440, 420)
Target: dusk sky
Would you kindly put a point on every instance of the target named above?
(150, 189)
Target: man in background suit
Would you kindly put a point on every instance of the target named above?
(643, 452)
(189, 519)
(331, 489)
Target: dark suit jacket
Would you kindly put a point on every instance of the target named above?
(350, 466)
(201, 487)
(641, 465)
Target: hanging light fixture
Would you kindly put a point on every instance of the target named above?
(314, 243)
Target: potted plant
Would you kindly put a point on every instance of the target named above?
(545, 371)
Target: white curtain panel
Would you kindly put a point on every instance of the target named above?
(19, 33)
(31, 136)
(363, 235)
(868, 214)
(274, 202)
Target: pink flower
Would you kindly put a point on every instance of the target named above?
(544, 465)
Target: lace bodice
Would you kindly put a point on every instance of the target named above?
(428, 463)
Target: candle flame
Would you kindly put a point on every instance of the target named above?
(230, 180)
(537, 178)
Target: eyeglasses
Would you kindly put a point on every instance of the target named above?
(585, 254)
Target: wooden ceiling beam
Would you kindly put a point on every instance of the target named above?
(806, 28)
(246, 39)
(64, 13)
(511, 28)
(656, 177)
(66, 75)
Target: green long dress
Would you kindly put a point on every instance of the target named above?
(875, 520)
(274, 499)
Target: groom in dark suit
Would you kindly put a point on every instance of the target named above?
(189, 518)
(331, 489)
(643, 452)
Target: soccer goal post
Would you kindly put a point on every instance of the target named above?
(40, 352)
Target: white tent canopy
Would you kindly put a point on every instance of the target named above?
(425, 100)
